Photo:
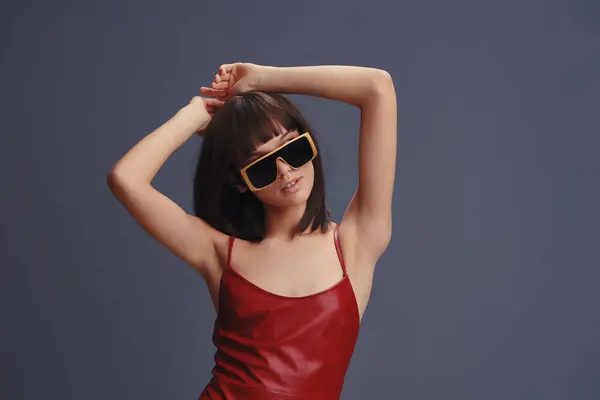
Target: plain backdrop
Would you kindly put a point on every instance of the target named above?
(489, 289)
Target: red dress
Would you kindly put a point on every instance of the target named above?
(276, 347)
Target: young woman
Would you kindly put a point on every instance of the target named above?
(289, 285)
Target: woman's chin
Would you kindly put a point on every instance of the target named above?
(290, 201)
(283, 200)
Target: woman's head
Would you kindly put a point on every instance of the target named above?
(245, 128)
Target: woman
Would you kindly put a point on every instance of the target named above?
(289, 286)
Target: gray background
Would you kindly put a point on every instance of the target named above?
(489, 289)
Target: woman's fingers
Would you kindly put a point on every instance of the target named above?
(213, 102)
(220, 85)
(213, 92)
(222, 78)
(226, 68)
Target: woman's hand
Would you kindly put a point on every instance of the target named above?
(232, 79)
(203, 109)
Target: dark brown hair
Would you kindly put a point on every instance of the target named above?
(244, 122)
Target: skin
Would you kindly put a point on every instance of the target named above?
(282, 264)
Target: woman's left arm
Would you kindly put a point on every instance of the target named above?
(369, 216)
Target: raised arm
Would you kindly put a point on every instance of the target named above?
(368, 218)
(130, 180)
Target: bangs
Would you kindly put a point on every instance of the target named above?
(258, 118)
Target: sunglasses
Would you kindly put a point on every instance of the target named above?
(262, 172)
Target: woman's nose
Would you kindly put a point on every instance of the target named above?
(282, 167)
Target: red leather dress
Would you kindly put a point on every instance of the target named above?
(276, 347)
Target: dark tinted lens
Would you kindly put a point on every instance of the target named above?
(297, 153)
(263, 172)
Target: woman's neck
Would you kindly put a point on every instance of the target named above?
(281, 223)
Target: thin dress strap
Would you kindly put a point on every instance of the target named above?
(338, 247)
(229, 249)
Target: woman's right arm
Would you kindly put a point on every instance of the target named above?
(130, 180)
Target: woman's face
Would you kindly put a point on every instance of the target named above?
(280, 193)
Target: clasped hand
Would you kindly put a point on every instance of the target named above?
(231, 79)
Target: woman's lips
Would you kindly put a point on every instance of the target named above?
(294, 187)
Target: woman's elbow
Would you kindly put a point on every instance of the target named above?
(383, 82)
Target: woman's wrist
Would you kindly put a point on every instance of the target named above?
(192, 119)
(260, 76)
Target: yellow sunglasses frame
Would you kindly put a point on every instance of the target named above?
(243, 170)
